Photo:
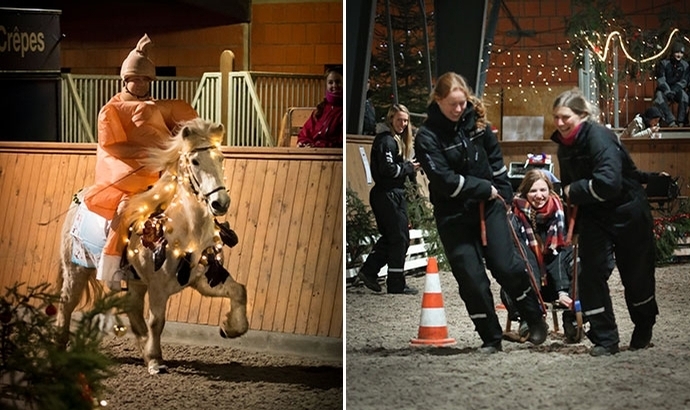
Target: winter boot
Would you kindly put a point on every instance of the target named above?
(395, 283)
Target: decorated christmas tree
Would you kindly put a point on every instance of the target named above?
(35, 371)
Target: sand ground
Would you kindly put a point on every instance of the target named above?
(384, 372)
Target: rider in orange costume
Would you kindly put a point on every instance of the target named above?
(128, 124)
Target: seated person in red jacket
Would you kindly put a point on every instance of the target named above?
(325, 126)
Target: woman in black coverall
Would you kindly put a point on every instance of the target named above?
(391, 165)
(613, 219)
(463, 161)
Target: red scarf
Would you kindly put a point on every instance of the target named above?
(570, 138)
(550, 215)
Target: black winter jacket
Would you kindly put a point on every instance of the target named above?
(388, 168)
(599, 170)
(672, 75)
(461, 161)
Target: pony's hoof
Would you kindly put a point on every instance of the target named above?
(156, 368)
(231, 334)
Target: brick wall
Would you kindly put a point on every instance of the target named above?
(542, 64)
(283, 36)
(191, 52)
(297, 37)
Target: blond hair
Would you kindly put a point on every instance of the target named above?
(577, 102)
(405, 143)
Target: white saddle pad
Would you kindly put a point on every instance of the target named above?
(89, 232)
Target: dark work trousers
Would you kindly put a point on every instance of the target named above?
(681, 97)
(627, 234)
(390, 211)
(460, 235)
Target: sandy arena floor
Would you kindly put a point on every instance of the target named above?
(212, 377)
(384, 372)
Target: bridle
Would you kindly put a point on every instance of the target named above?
(195, 185)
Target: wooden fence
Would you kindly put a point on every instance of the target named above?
(286, 209)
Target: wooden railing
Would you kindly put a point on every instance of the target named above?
(286, 209)
(257, 102)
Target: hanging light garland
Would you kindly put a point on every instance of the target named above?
(609, 40)
(601, 51)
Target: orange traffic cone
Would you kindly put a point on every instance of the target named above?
(433, 330)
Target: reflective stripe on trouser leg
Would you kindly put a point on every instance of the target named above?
(596, 265)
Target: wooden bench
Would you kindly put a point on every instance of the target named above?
(291, 124)
(415, 259)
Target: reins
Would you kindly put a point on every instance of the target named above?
(533, 281)
(55, 218)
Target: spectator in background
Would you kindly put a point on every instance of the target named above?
(671, 81)
(644, 125)
(391, 165)
(324, 128)
(369, 114)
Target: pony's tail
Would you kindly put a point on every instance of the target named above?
(93, 291)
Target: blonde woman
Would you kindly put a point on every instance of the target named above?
(391, 165)
(464, 163)
(614, 222)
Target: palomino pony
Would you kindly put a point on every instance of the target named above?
(174, 242)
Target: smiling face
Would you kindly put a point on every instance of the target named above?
(400, 122)
(334, 83)
(453, 105)
(566, 120)
(538, 194)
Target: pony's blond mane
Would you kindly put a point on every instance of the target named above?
(190, 135)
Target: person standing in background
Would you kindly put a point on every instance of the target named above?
(324, 128)
(391, 165)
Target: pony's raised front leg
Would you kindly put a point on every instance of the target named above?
(135, 313)
(152, 352)
(236, 323)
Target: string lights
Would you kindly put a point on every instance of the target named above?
(609, 40)
(528, 72)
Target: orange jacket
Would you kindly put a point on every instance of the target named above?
(125, 129)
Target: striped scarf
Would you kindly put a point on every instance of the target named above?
(550, 215)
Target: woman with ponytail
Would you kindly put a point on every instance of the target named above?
(614, 222)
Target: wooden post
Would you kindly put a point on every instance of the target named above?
(227, 59)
